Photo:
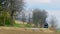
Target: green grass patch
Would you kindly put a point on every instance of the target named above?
(28, 25)
(22, 25)
(17, 25)
(58, 30)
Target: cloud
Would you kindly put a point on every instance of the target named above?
(55, 2)
(55, 13)
(37, 1)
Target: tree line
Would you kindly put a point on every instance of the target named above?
(9, 9)
(39, 19)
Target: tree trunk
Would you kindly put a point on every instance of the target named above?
(12, 18)
(4, 21)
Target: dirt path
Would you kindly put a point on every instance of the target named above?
(5, 30)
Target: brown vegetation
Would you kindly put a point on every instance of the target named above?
(14, 30)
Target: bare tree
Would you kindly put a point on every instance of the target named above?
(23, 17)
(29, 19)
(39, 17)
(15, 6)
(53, 22)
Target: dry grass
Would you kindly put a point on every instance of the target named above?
(13, 30)
(20, 22)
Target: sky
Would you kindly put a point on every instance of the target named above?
(51, 6)
(43, 4)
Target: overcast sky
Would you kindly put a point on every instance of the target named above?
(43, 4)
(51, 6)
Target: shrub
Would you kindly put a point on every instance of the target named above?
(28, 25)
(7, 22)
(17, 25)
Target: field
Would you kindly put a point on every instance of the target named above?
(14, 30)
